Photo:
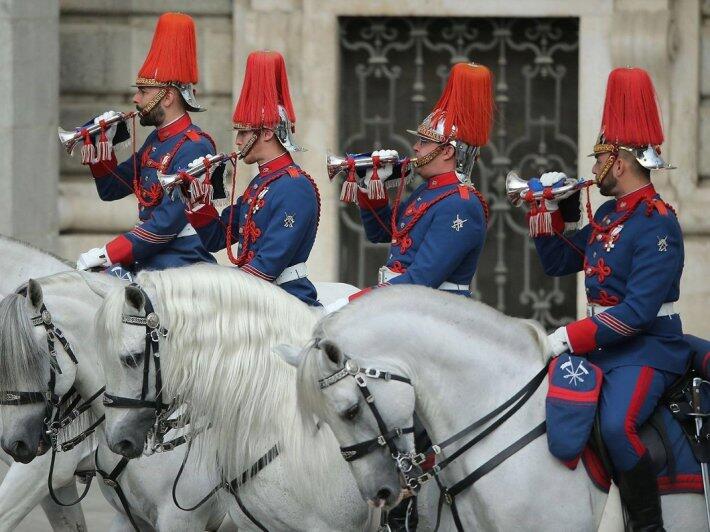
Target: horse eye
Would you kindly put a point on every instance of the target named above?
(132, 360)
(352, 412)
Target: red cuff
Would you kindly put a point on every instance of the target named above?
(104, 168)
(203, 216)
(120, 251)
(582, 335)
(360, 293)
(366, 203)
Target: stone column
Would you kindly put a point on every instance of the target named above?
(29, 75)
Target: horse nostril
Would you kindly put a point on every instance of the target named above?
(384, 494)
(125, 447)
(20, 450)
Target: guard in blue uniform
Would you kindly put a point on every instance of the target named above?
(632, 258)
(438, 232)
(275, 220)
(163, 238)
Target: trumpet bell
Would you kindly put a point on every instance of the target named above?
(67, 139)
(334, 164)
(514, 186)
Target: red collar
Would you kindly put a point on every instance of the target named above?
(632, 198)
(282, 161)
(172, 129)
(441, 180)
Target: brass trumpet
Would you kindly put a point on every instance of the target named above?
(336, 164)
(170, 182)
(70, 139)
(516, 188)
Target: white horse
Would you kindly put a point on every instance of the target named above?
(217, 360)
(25, 366)
(464, 359)
(25, 485)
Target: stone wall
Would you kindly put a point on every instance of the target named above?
(102, 45)
(28, 117)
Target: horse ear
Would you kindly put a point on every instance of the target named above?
(34, 294)
(332, 352)
(134, 298)
(289, 354)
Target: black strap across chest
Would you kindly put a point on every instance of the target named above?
(111, 480)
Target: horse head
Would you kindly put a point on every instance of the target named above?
(369, 411)
(129, 367)
(36, 370)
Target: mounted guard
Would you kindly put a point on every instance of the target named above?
(436, 235)
(165, 94)
(276, 218)
(631, 253)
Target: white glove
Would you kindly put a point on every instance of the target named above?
(200, 192)
(558, 343)
(384, 170)
(548, 179)
(336, 305)
(111, 131)
(93, 258)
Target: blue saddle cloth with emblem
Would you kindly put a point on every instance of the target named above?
(574, 385)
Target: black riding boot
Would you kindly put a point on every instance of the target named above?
(639, 493)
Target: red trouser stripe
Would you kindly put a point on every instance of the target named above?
(637, 400)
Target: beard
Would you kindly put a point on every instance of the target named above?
(608, 184)
(155, 117)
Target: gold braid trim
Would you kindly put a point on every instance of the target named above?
(147, 82)
(429, 157)
(431, 134)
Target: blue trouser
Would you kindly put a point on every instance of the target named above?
(628, 398)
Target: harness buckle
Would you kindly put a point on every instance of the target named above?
(436, 449)
(448, 498)
(154, 336)
(381, 440)
(372, 373)
(360, 380)
(418, 459)
(46, 317)
(110, 483)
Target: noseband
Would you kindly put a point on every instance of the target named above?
(387, 437)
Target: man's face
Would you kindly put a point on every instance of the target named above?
(609, 182)
(143, 97)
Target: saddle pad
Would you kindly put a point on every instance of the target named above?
(574, 384)
(687, 477)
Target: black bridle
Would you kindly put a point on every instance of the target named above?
(387, 436)
(408, 463)
(151, 351)
(60, 412)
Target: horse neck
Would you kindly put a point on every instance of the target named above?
(462, 373)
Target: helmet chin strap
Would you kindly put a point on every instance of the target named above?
(429, 157)
(250, 144)
(613, 152)
(152, 103)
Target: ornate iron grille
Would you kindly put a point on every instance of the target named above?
(392, 72)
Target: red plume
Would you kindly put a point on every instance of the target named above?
(173, 52)
(631, 114)
(467, 103)
(265, 87)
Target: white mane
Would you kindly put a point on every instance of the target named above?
(218, 359)
(413, 317)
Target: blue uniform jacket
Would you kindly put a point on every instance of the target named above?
(446, 241)
(286, 210)
(633, 268)
(154, 242)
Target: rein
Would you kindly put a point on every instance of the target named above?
(408, 462)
